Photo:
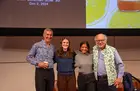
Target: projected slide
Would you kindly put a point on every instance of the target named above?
(112, 13)
(42, 13)
(70, 13)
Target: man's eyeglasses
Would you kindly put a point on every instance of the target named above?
(100, 40)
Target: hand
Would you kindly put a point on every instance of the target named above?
(46, 64)
(55, 85)
(118, 82)
(43, 65)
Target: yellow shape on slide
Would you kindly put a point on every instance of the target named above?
(125, 20)
(95, 9)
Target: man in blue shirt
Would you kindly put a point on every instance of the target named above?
(41, 55)
(108, 65)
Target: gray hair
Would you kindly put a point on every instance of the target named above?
(47, 29)
(105, 36)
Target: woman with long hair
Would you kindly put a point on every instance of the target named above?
(66, 80)
(83, 61)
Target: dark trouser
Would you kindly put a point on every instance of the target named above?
(102, 84)
(44, 79)
(66, 82)
(86, 82)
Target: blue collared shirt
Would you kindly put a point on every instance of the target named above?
(118, 63)
(40, 52)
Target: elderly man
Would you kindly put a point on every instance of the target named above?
(108, 65)
(41, 55)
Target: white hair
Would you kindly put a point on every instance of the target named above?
(105, 36)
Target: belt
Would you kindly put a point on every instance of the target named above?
(80, 73)
(48, 69)
(102, 77)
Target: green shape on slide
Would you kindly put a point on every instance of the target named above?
(125, 20)
(95, 9)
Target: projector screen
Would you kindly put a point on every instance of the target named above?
(70, 14)
(42, 13)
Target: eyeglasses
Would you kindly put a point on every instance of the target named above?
(100, 40)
